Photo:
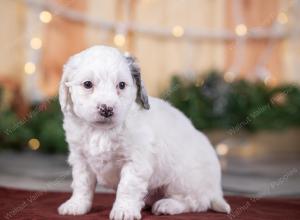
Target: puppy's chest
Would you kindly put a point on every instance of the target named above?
(103, 151)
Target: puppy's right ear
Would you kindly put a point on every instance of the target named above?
(64, 93)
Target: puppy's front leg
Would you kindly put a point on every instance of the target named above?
(131, 192)
(84, 183)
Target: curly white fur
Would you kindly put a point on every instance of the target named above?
(149, 156)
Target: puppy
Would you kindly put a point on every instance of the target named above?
(140, 146)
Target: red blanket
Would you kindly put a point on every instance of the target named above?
(19, 204)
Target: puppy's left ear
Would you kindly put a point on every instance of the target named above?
(141, 97)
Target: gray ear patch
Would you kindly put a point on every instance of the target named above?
(141, 97)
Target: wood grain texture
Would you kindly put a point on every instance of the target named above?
(256, 14)
(62, 38)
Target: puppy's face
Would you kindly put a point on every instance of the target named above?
(99, 86)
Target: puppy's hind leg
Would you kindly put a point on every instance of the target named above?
(220, 205)
(169, 206)
(172, 206)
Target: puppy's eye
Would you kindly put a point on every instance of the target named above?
(88, 84)
(122, 85)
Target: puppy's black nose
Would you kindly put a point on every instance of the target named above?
(105, 111)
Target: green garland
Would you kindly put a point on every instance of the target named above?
(43, 122)
(209, 102)
(215, 104)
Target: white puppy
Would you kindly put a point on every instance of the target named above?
(145, 149)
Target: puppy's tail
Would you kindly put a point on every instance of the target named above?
(220, 205)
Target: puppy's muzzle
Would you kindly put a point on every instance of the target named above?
(105, 111)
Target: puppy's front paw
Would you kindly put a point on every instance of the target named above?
(124, 213)
(74, 207)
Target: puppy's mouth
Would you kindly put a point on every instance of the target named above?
(104, 121)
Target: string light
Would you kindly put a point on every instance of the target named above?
(77, 16)
(34, 144)
(222, 149)
(282, 18)
(119, 40)
(36, 43)
(241, 30)
(229, 76)
(45, 16)
(29, 68)
(177, 31)
(270, 81)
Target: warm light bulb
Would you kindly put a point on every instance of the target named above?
(29, 68)
(34, 144)
(270, 81)
(119, 40)
(222, 149)
(241, 30)
(229, 76)
(282, 18)
(45, 16)
(177, 31)
(36, 43)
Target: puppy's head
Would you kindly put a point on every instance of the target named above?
(100, 84)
